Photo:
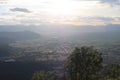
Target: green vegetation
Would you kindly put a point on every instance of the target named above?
(114, 69)
(42, 75)
(33, 52)
(85, 63)
(114, 72)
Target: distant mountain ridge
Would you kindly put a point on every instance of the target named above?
(42, 28)
(18, 35)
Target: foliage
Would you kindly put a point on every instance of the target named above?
(39, 75)
(42, 75)
(114, 70)
(84, 64)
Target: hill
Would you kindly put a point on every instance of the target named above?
(17, 36)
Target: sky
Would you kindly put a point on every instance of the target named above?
(60, 12)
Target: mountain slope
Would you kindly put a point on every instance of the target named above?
(16, 36)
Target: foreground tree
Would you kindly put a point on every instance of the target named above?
(84, 63)
(39, 75)
(42, 75)
(114, 71)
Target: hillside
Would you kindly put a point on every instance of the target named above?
(17, 36)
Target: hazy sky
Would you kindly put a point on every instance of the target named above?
(57, 12)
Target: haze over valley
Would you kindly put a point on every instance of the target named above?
(60, 39)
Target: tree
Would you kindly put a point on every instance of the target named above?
(84, 63)
(42, 75)
(114, 70)
(39, 75)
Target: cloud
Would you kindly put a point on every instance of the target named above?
(20, 10)
(93, 20)
(38, 19)
(111, 2)
(96, 18)
(3, 1)
(105, 19)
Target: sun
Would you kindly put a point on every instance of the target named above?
(61, 7)
(51, 7)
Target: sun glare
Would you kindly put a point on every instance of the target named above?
(61, 7)
(55, 7)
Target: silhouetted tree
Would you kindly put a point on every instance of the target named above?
(84, 63)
